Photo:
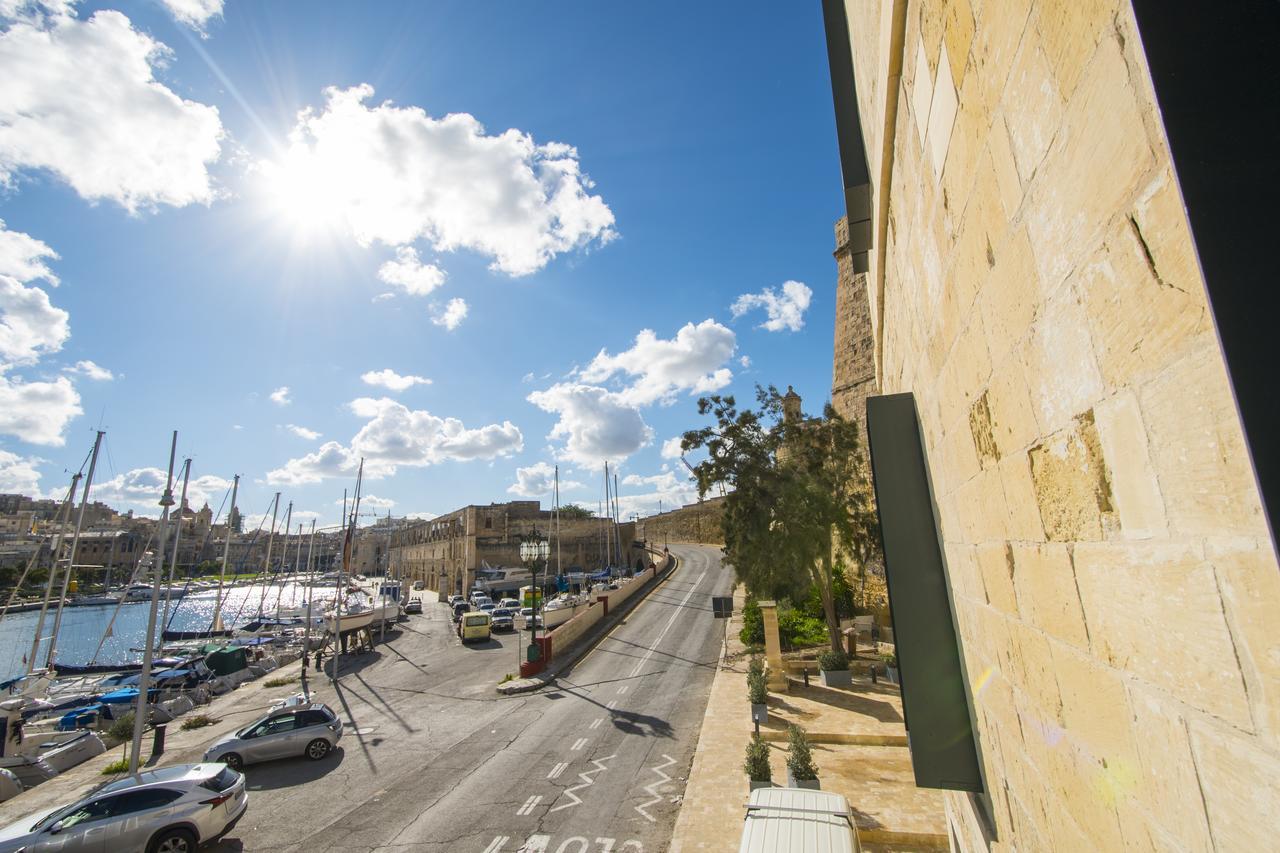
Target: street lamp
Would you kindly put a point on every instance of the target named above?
(534, 547)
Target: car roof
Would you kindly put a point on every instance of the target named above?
(159, 776)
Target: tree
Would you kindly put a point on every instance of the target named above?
(798, 489)
(575, 511)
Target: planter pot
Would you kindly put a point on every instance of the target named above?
(793, 782)
(761, 783)
(836, 678)
(759, 713)
(891, 673)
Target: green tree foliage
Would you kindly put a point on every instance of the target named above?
(799, 755)
(752, 633)
(575, 511)
(757, 762)
(797, 489)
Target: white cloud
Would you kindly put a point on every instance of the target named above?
(392, 381)
(80, 100)
(537, 480)
(691, 361)
(745, 361)
(30, 326)
(372, 502)
(89, 369)
(671, 448)
(665, 491)
(396, 175)
(452, 315)
(595, 422)
(144, 486)
(302, 432)
(237, 427)
(280, 396)
(18, 474)
(194, 13)
(785, 310)
(37, 412)
(395, 435)
(409, 273)
(22, 257)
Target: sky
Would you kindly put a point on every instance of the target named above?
(466, 242)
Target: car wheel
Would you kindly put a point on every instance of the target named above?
(233, 760)
(318, 749)
(174, 840)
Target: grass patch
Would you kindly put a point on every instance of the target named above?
(280, 682)
(506, 678)
(199, 721)
(120, 765)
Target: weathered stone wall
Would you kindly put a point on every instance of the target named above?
(1115, 586)
(853, 374)
(699, 523)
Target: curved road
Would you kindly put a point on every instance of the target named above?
(435, 760)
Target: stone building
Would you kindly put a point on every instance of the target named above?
(1019, 240)
(445, 552)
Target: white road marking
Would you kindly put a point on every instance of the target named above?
(558, 769)
(535, 844)
(622, 689)
(670, 622)
(586, 780)
(578, 744)
(497, 844)
(595, 724)
(606, 845)
(613, 703)
(529, 805)
(653, 789)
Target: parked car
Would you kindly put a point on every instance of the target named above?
(502, 620)
(173, 809)
(509, 604)
(460, 607)
(533, 620)
(419, 585)
(414, 606)
(526, 612)
(312, 730)
(454, 599)
(474, 626)
(488, 607)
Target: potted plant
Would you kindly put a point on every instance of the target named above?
(834, 668)
(890, 666)
(757, 764)
(801, 771)
(757, 691)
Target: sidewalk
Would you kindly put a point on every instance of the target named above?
(859, 745)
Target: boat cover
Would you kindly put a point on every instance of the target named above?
(224, 661)
(81, 716)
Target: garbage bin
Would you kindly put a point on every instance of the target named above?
(157, 741)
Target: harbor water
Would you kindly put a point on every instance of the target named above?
(83, 627)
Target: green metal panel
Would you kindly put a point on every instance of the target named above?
(934, 700)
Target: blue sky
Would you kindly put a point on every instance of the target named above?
(471, 240)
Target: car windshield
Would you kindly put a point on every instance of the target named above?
(220, 781)
(500, 612)
(53, 816)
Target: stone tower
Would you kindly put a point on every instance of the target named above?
(853, 376)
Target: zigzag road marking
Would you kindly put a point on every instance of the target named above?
(586, 781)
(653, 789)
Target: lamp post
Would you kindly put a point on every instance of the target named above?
(534, 547)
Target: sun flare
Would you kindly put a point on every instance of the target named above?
(302, 192)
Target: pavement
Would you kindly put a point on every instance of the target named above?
(858, 742)
(434, 760)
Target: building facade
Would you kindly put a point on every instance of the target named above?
(1019, 243)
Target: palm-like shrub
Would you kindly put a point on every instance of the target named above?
(833, 661)
(757, 763)
(799, 756)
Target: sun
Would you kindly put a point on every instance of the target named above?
(303, 193)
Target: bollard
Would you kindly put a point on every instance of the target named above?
(873, 673)
(157, 741)
(806, 676)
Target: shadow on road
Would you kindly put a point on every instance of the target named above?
(627, 722)
(288, 773)
(708, 664)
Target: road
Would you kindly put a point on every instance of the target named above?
(435, 760)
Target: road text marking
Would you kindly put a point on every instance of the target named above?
(529, 805)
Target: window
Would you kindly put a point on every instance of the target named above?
(96, 810)
(274, 726)
(488, 524)
(313, 718)
(140, 800)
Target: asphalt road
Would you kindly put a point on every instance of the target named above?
(435, 760)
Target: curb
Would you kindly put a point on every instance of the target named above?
(586, 643)
(772, 736)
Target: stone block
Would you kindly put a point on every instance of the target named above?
(995, 565)
(1013, 420)
(1154, 612)
(1198, 450)
(998, 29)
(1009, 296)
(1097, 161)
(1166, 783)
(1071, 484)
(1095, 709)
(1030, 671)
(1161, 221)
(1023, 522)
(1069, 32)
(942, 116)
(1032, 106)
(1134, 489)
(1045, 583)
(984, 443)
(1000, 150)
(962, 572)
(1238, 779)
(1250, 585)
(921, 85)
(1061, 369)
(957, 36)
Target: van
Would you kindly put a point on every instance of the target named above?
(474, 626)
(798, 820)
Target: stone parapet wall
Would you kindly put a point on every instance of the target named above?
(1114, 583)
(697, 523)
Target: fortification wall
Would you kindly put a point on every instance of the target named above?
(698, 523)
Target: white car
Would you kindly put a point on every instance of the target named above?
(509, 604)
(169, 810)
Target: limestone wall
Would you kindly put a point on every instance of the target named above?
(1114, 583)
(698, 523)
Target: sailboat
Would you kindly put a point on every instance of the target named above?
(351, 612)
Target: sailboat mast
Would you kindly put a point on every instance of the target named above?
(148, 648)
(177, 539)
(216, 624)
(63, 515)
(559, 567)
(284, 557)
(75, 544)
(617, 521)
(266, 561)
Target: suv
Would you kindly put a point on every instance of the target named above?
(502, 620)
(311, 730)
(509, 604)
(173, 809)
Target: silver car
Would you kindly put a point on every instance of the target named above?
(168, 810)
(311, 730)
